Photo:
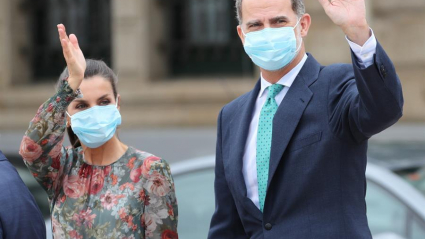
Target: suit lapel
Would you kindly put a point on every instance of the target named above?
(238, 133)
(290, 112)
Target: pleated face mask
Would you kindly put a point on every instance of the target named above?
(272, 48)
(95, 126)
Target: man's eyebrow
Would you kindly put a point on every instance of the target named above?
(275, 19)
(253, 22)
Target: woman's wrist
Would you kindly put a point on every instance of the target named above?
(65, 94)
(74, 83)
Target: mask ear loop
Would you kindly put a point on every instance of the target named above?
(298, 22)
(299, 47)
(243, 32)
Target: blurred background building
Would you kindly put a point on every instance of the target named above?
(178, 61)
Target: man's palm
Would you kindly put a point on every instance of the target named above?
(345, 13)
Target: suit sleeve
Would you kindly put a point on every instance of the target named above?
(364, 102)
(225, 222)
(20, 216)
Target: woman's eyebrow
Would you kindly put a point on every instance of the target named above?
(103, 97)
(80, 101)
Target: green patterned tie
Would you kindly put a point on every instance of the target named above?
(264, 141)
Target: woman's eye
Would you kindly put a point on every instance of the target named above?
(105, 102)
(80, 106)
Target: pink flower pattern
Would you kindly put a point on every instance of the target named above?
(30, 150)
(73, 186)
(110, 200)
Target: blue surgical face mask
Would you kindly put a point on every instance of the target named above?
(95, 126)
(272, 48)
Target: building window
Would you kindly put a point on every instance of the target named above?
(89, 20)
(203, 40)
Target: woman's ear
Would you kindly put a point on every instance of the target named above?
(118, 101)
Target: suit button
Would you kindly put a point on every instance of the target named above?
(383, 71)
(268, 226)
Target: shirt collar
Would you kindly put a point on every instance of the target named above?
(286, 80)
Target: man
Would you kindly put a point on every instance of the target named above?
(291, 154)
(20, 216)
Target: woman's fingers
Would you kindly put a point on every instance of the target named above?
(72, 53)
(66, 50)
(62, 32)
(74, 41)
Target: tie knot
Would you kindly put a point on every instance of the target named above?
(274, 90)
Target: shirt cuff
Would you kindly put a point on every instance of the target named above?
(365, 53)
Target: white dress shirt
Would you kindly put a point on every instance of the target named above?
(364, 56)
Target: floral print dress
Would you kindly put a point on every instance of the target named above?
(131, 198)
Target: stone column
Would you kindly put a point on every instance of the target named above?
(136, 33)
(130, 38)
(5, 72)
(19, 36)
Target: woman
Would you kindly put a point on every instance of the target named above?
(99, 187)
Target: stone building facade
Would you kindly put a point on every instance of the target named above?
(179, 61)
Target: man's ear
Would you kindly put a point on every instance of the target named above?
(305, 24)
(240, 33)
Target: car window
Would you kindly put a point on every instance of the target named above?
(195, 194)
(417, 229)
(386, 214)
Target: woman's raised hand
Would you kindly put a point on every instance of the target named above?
(74, 57)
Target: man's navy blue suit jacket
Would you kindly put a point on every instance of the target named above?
(20, 217)
(317, 185)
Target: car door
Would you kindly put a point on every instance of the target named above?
(389, 217)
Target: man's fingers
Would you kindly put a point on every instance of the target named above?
(74, 41)
(324, 2)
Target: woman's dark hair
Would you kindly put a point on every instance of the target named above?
(93, 68)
